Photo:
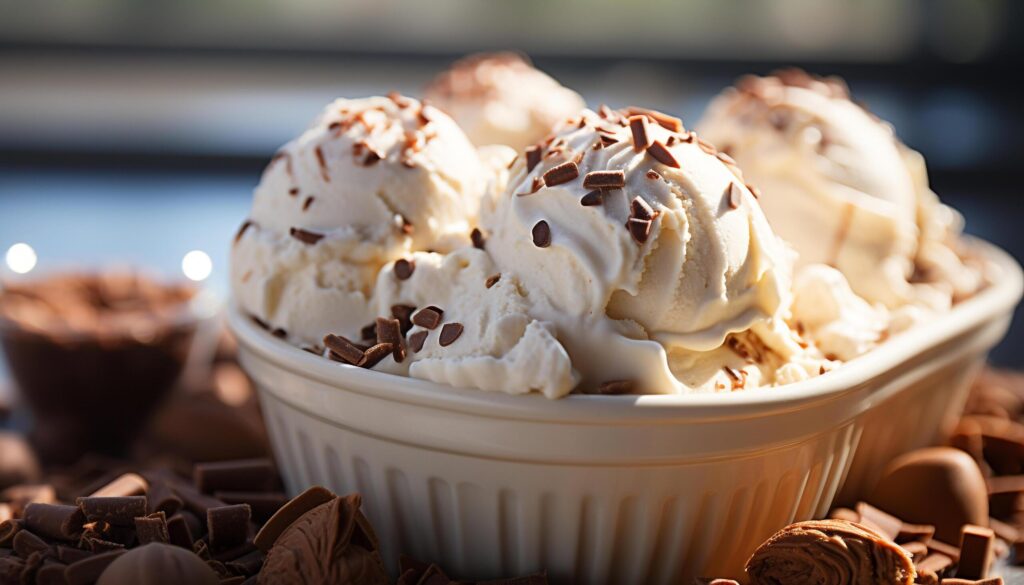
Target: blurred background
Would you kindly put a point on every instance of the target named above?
(134, 131)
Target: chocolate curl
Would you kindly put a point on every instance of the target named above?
(54, 521)
(837, 552)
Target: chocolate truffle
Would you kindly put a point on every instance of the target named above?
(158, 564)
(940, 486)
(18, 463)
(829, 551)
(331, 543)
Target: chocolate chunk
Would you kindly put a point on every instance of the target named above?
(640, 229)
(492, 280)
(404, 268)
(178, 532)
(541, 234)
(641, 138)
(158, 563)
(127, 484)
(390, 331)
(562, 173)
(416, 341)
(449, 333)
(118, 511)
(533, 156)
(404, 315)
(592, 199)
(428, 317)
(228, 525)
(368, 332)
(477, 237)
(662, 154)
(343, 348)
(330, 543)
(976, 553)
(240, 474)
(640, 209)
(89, 569)
(263, 504)
(305, 236)
(534, 187)
(375, 354)
(152, 528)
(818, 551)
(54, 521)
(939, 486)
(161, 498)
(289, 513)
(604, 180)
(734, 195)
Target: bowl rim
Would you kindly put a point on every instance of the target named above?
(998, 298)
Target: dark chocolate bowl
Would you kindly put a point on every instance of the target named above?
(93, 354)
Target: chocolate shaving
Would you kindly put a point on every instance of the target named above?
(294, 191)
(664, 120)
(733, 195)
(404, 268)
(604, 180)
(541, 234)
(428, 317)
(389, 331)
(449, 333)
(608, 140)
(640, 209)
(404, 315)
(533, 156)
(492, 280)
(562, 173)
(343, 348)
(152, 528)
(640, 229)
(305, 236)
(322, 164)
(416, 341)
(641, 138)
(477, 237)
(662, 154)
(592, 198)
(228, 525)
(309, 201)
(117, 511)
(375, 354)
(653, 175)
(242, 229)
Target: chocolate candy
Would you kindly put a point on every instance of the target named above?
(976, 552)
(829, 551)
(939, 486)
(158, 564)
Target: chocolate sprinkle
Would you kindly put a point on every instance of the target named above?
(562, 173)
(449, 333)
(242, 229)
(533, 156)
(416, 341)
(404, 268)
(662, 154)
(428, 317)
(653, 175)
(343, 348)
(368, 332)
(305, 236)
(593, 198)
(390, 331)
(641, 138)
(640, 209)
(534, 187)
(492, 280)
(541, 234)
(477, 237)
(734, 195)
(604, 180)
(640, 229)
(322, 163)
(404, 315)
(375, 354)
(307, 203)
(293, 191)
(664, 120)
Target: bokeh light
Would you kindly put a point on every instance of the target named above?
(21, 258)
(197, 265)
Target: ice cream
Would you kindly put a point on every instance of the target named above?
(640, 243)
(501, 98)
(841, 189)
(370, 181)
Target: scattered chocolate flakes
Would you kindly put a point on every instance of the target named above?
(640, 209)
(416, 341)
(404, 268)
(368, 332)
(662, 154)
(593, 198)
(492, 280)
(375, 354)
(533, 156)
(670, 123)
(389, 331)
(309, 201)
(604, 180)
(404, 315)
(562, 173)
(477, 238)
(641, 138)
(428, 317)
(542, 234)
(305, 236)
(640, 229)
(322, 164)
(616, 387)
(242, 229)
(449, 333)
(734, 195)
(534, 187)
(294, 191)
(653, 175)
(343, 348)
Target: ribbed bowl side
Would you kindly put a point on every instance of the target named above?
(919, 415)
(486, 518)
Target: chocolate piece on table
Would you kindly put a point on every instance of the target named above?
(827, 551)
(331, 543)
(976, 554)
(89, 569)
(18, 463)
(236, 475)
(119, 511)
(228, 525)
(158, 564)
(940, 486)
(289, 513)
(54, 521)
(152, 528)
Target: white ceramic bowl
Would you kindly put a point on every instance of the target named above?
(612, 489)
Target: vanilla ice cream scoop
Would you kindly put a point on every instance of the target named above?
(371, 179)
(634, 237)
(502, 99)
(836, 182)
